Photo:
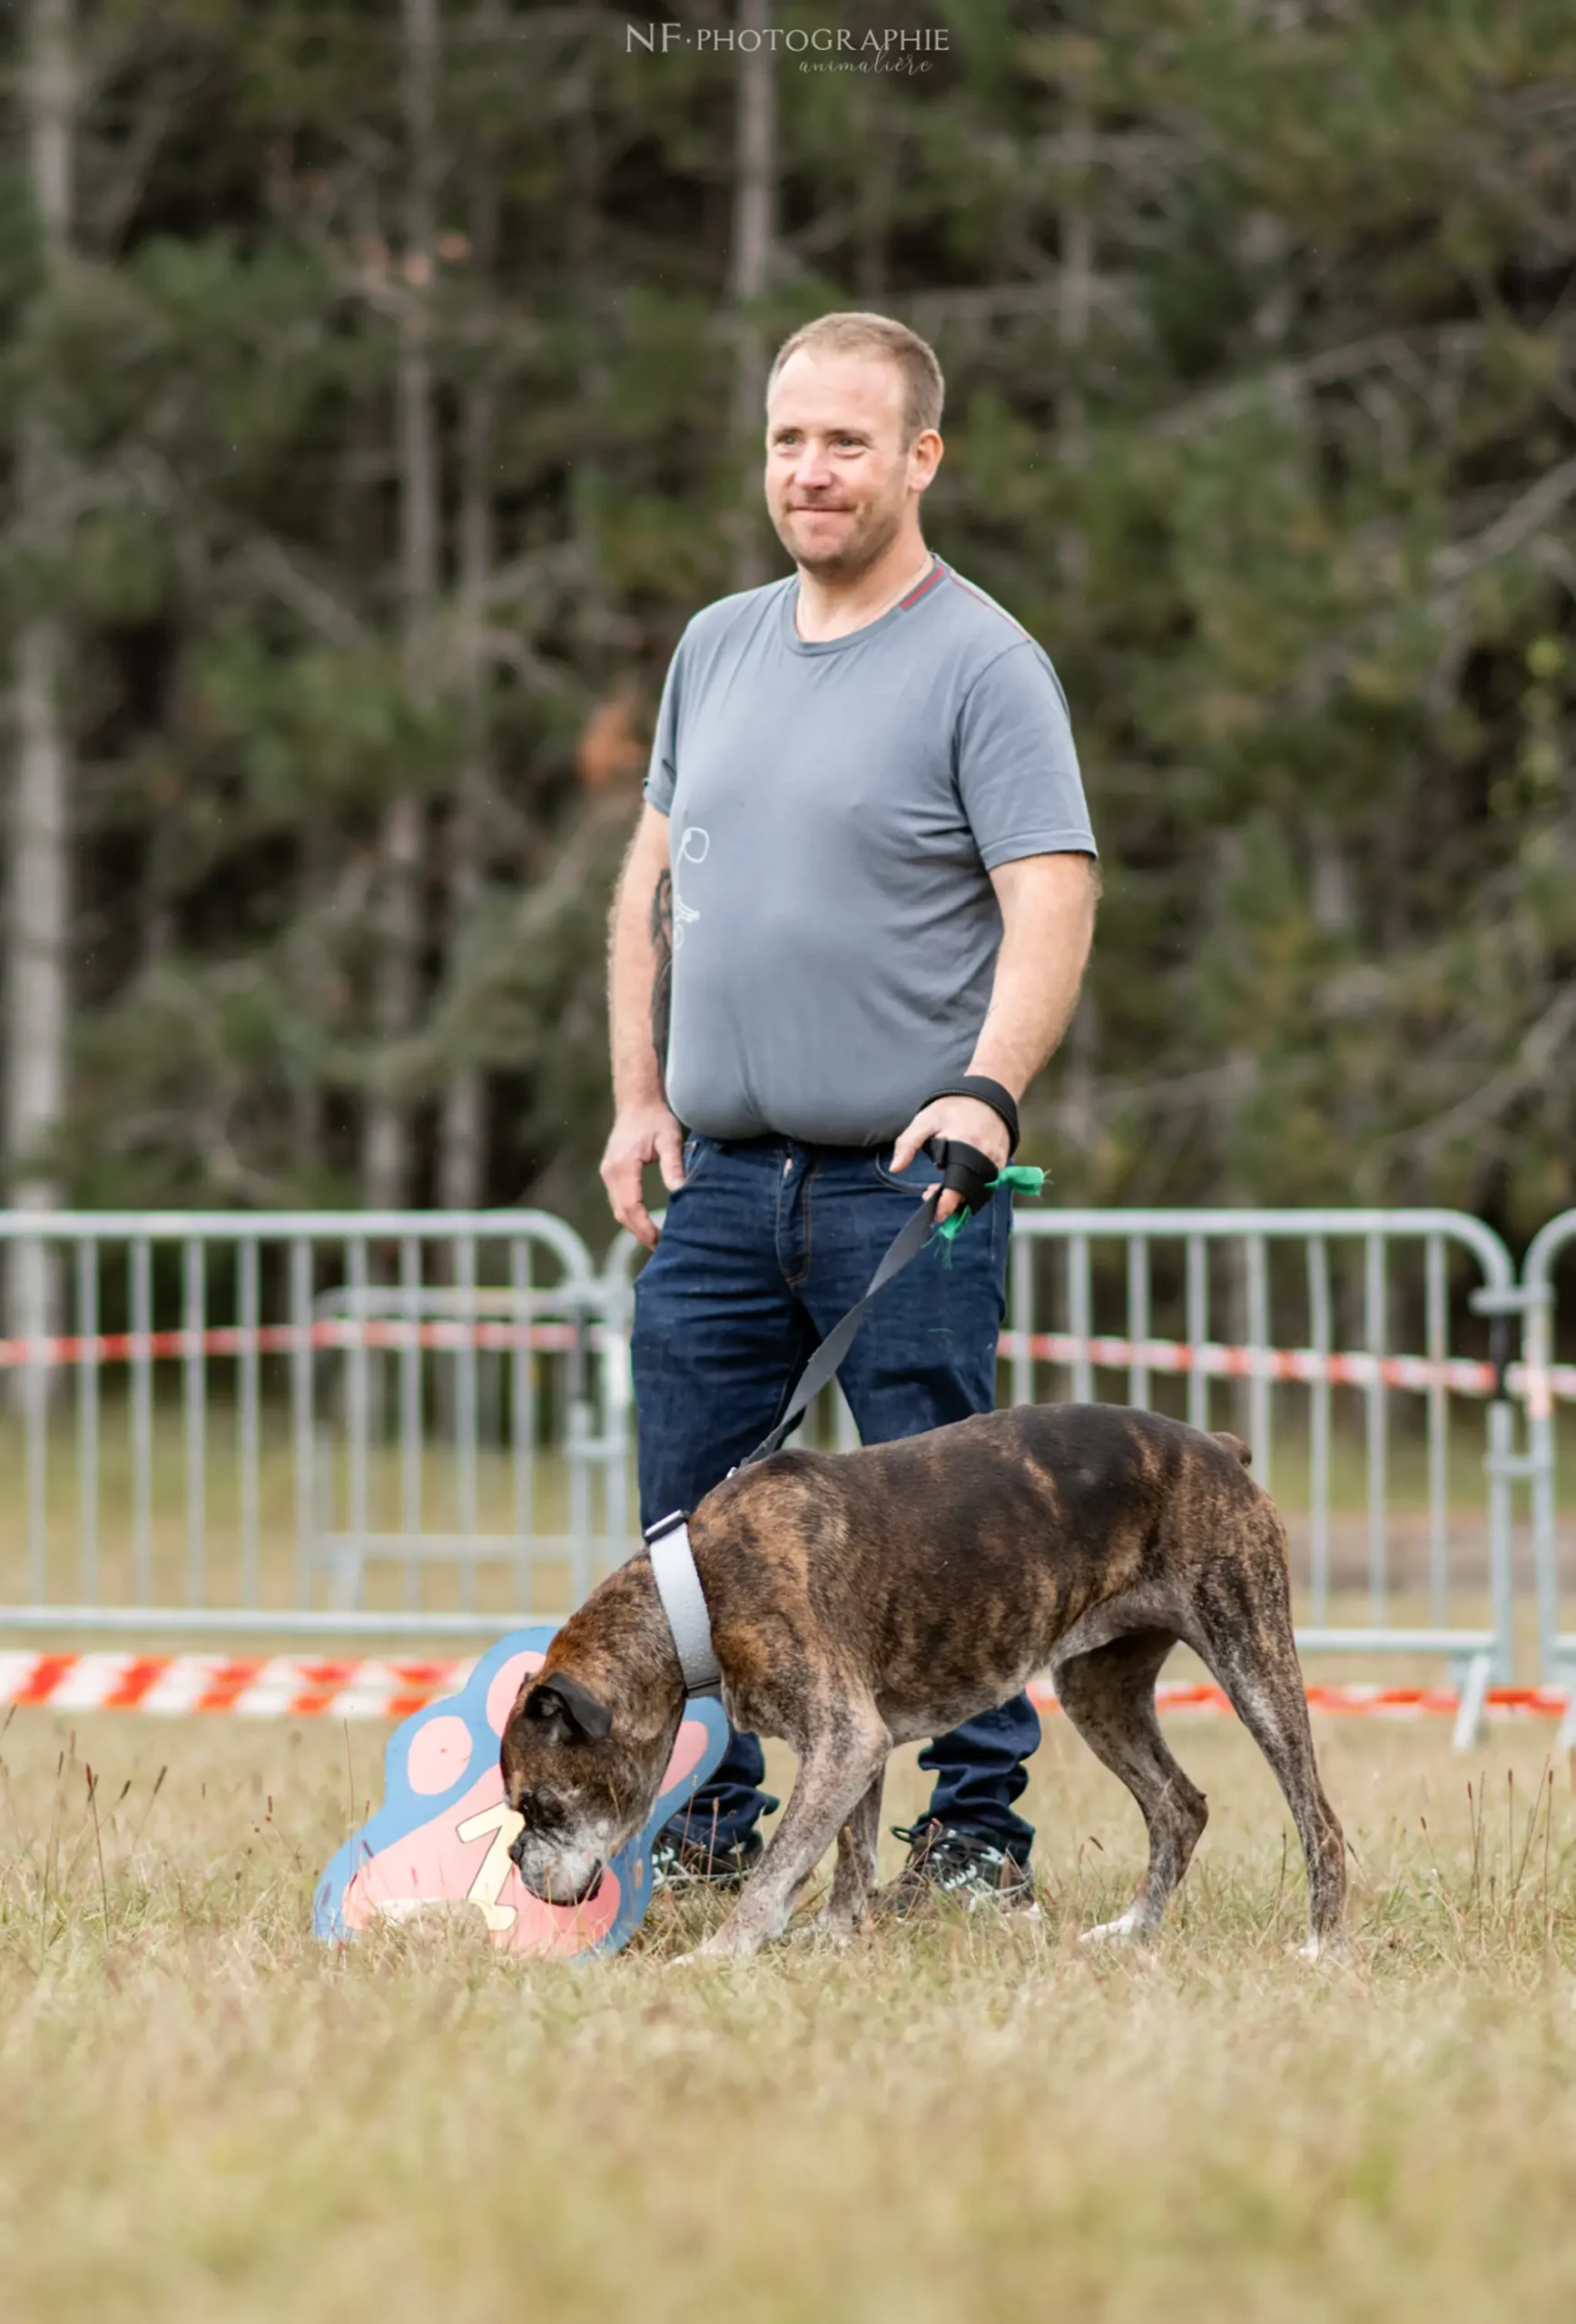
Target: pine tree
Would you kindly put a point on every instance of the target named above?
(39, 825)
(393, 372)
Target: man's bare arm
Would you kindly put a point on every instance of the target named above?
(1048, 919)
(660, 924)
(639, 971)
(1048, 924)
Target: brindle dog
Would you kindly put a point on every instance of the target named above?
(862, 1600)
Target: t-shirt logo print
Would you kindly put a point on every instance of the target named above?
(693, 847)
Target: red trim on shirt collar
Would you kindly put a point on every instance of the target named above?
(929, 581)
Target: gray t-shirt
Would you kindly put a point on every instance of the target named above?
(835, 810)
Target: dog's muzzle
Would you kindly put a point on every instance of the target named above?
(550, 1895)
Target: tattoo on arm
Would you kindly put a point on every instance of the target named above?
(660, 925)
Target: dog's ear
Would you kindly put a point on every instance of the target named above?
(566, 1700)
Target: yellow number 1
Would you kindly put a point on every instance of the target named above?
(493, 1872)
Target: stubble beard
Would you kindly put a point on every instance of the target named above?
(872, 535)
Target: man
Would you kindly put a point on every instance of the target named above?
(864, 868)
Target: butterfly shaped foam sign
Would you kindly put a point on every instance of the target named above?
(442, 1838)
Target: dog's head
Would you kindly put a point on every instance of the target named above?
(583, 1778)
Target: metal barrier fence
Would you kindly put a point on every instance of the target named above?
(1546, 1385)
(1400, 1547)
(348, 1423)
(287, 1424)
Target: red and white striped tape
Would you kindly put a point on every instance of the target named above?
(283, 1339)
(1360, 1699)
(317, 1687)
(249, 1686)
(1461, 1375)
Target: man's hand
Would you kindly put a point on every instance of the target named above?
(966, 1118)
(642, 1134)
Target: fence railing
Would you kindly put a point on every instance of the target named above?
(290, 1423)
(1282, 1325)
(352, 1424)
(1546, 1385)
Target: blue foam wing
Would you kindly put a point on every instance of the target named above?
(441, 1838)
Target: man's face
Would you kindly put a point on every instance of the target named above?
(840, 471)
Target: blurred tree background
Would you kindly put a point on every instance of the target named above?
(379, 386)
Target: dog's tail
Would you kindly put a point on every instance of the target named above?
(1234, 1444)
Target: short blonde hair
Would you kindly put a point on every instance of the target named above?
(925, 389)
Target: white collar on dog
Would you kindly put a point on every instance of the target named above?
(684, 1601)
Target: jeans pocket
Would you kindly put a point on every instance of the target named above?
(698, 1153)
(921, 1172)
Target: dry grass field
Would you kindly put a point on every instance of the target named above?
(206, 2114)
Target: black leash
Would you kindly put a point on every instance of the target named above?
(966, 1172)
(973, 1177)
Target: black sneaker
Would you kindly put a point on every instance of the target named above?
(680, 1862)
(946, 1863)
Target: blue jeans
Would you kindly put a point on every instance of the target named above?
(766, 1244)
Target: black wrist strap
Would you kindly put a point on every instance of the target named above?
(989, 1093)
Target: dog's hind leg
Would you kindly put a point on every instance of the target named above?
(1109, 1696)
(851, 1884)
(1248, 1644)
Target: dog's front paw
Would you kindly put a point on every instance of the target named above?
(838, 1934)
(1322, 1948)
(718, 1947)
(723, 1946)
(1128, 1930)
